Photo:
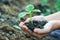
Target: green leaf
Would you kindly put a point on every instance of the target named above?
(44, 2)
(29, 7)
(36, 10)
(17, 27)
(22, 14)
(58, 1)
(48, 12)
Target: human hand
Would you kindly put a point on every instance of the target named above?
(35, 18)
(53, 26)
(50, 26)
(25, 28)
(30, 33)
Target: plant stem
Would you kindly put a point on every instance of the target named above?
(31, 17)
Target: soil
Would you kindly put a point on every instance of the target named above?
(36, 24)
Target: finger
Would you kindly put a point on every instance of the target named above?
(37, 30)
(41, 31)
(21, 24)
(35, 34)
(27, 20)
(24, 27)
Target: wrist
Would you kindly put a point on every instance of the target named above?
(54, 16)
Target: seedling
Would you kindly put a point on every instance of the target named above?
(29, 9)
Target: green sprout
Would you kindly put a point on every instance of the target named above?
(29, 10)
(17, 27)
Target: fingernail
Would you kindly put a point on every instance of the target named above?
(24, 27)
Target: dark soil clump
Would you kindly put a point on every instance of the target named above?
(36, 24)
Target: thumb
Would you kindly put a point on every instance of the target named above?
(47, 28)
(27, 20)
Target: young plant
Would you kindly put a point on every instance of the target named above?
(29, 9)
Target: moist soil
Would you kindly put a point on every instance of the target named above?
(36, 24)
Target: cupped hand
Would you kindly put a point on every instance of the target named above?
(35, 18)
(39, 33)
(28, 32)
